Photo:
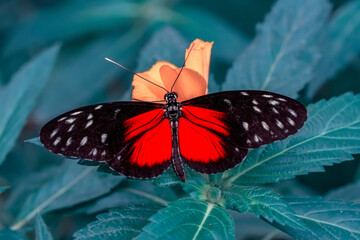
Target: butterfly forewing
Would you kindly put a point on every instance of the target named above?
(112, 132)
(254, 118)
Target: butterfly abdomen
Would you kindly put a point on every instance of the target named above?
(175, 154)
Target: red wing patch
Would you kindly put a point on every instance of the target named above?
(200, 134)
(149, 135)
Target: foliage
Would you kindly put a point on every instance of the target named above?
(19, 97)
(299, 49)
(42, 232)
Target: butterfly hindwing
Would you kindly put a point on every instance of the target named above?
(254, 118)
(204, 141)
(109, 131)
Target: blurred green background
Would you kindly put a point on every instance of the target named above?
(126, 32)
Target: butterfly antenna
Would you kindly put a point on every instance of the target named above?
(192, 45)
(107, 59)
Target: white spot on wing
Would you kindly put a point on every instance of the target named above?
(90, 116)
(279, 124)
(257, 109)
(68, 142)
(256, 138)
(54, 132)
(83, 141)
(265, 126)
(98, 107)
(275, 110)
(292, 112)
(57, 140)
(248, 141)
(62, 119)
(76, 113)
(88, 124)
(227, 101)
(70, 120)
(292, 123)
(255, 102)
(103, 137)
(244, 93)
(103, 153)
(236, 149)
(245, 125)
(273, 102)
(71, 128)
(267, 95)
(282, 99)
(117, 111)
(94, 152)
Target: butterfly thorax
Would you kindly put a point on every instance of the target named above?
(172, 107)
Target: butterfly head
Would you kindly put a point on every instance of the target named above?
(171, 97)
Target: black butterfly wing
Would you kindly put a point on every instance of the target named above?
(236, 121)
(113, 133)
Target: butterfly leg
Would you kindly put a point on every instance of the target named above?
(176, 156)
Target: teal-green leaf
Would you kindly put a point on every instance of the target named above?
(42, 232)
(19, 96)
(282, 56)
(118, 223)
(3, 189)
(165, 45)
(11, 235)
(70, 185)
(36, 141)
(70, 20)
(86, 66)
(261, 203)
(199, 23)
(349, 193)
(325, 219)
(190, 219)
(330, 135)
(339, 44)
(135, 192)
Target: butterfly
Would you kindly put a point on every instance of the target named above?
(209, 133)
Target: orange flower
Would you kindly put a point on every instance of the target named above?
(192, 81)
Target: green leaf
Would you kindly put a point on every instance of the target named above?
(42, 233)
(11, 235)
(165, 45)
(282, 56)
(135, 192)
(325, 219)
(330, 135)
(71, 185)
(36, 141)
(68, 21)
(339, 44)
(350, 193)
(19, 96)
(199, 23)
(86, 66)
(3, 189)
(190, 219)
(121, 223)
(261, 203)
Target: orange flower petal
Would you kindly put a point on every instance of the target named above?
(146, 91)
(190, 84)
(199, 58)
